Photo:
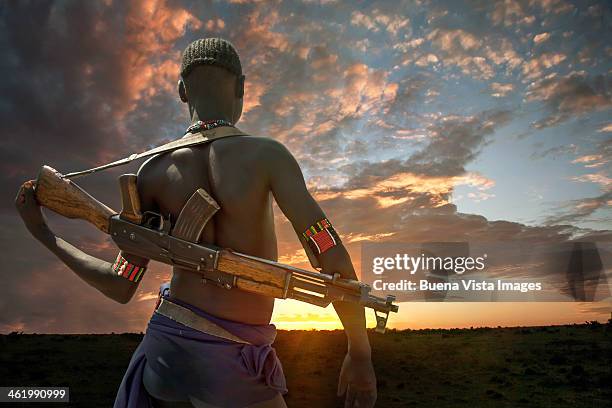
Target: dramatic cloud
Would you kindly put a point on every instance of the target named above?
(75, 72)
(403, 116)
(569, 96)
(575, 210)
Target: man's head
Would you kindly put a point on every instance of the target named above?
(211, 78)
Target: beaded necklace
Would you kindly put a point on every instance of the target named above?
(207, 125)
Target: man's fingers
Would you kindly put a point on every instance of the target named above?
(26, 194)
(349, 402)
(29, 186)
(29, 190)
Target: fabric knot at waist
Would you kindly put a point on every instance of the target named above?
(258, 358)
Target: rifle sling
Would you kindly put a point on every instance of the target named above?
(190, 139)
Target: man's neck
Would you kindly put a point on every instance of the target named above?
(208, 113)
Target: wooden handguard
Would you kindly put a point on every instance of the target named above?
(64, 197)
(253, 276)
(129, 198)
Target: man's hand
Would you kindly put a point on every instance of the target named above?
(29, 210)
(358, 381)
(96, 272)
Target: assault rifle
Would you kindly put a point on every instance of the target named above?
(152, 236)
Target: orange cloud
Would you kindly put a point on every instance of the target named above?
(375, 20)
(604, 181)
(448, 40)
(591, 160)
(462, 49)
(535, 67)
(151, 67)
(402, 187)
(540, 38)
(361, 91)
(500, 90)
(429, 59)
(508, 13)
(606, 128)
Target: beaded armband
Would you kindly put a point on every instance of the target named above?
(321, 236)
(129, 271)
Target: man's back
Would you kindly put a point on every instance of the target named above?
(234, 172)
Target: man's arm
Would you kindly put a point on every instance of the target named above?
(96, 272)
(287, 184)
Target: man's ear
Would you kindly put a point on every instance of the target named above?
(182, 91)
(240, 86)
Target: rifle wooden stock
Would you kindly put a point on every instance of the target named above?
(66, 198)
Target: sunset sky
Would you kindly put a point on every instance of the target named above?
(413, 121)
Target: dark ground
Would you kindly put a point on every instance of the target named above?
(560, 366)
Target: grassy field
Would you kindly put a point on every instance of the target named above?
(560, 366)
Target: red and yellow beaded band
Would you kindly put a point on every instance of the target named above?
(321, 236)
(129, 271)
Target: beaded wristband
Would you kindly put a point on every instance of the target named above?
(129, 271)
(321, 236)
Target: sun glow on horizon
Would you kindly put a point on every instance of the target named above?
(294, 315)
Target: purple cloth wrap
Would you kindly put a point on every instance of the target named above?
(203, 367)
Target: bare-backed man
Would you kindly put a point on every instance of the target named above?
(177, 365)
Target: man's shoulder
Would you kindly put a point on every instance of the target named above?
(147, 167)
(252, 139)
(147, 173)
(258, 147)
(270, 147)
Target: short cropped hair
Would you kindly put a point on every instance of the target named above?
(211, 51)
